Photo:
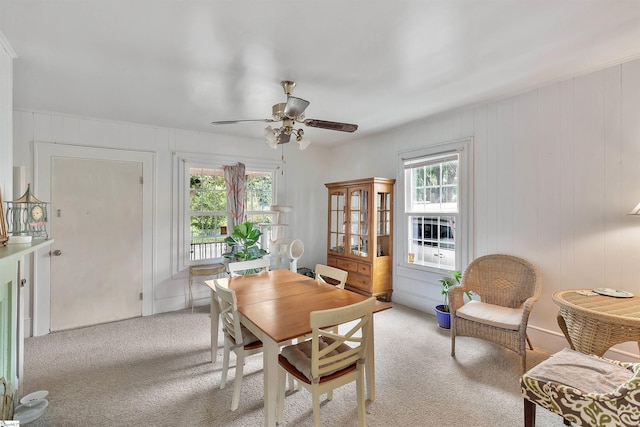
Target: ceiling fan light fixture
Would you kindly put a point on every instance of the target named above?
(303, 142)
(283, 136)
(270, 135)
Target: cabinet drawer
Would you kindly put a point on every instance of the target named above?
(364, 269)
(359, 281)
(347, 265)
(332, 262)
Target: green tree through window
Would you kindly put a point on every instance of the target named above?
(208, 213)
(259, 197)
(208, 205)
(432, 209)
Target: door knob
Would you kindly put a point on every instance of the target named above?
(57, 252)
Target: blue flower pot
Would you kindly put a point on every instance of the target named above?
(444, 317)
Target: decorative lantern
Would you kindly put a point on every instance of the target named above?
(27, 218)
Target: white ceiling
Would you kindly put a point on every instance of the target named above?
(182, 64)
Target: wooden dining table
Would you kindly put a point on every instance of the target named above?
(276, 306)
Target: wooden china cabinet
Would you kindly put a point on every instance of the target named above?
(360, 235)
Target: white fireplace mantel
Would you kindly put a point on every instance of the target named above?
(11, 324)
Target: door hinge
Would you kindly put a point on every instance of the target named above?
(141, 180)
(140, 296)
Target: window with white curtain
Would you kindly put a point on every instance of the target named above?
(207, 209)
(199, 206)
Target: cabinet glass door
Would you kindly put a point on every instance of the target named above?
(359, 222)
(337, 222)
(383, 212)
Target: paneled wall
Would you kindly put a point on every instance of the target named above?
(556, 172)
(555, 175)
(6, 123)
(300, 186)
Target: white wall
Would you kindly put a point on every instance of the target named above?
(555, 175)
(301, 186)
(556, 172)
(6, 123)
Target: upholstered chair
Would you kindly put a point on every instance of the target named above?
(585, 390)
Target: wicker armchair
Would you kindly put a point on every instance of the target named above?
(508, 287)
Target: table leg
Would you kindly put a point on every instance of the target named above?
(191, 290)
(215, 318)
(270, 362)
(563, 327)
(369, 366)
(270, 372)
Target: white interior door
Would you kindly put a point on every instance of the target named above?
(97, 221)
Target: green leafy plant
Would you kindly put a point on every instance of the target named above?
(244, 243)
(447, 282)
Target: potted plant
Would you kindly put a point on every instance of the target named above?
(243, 243)
(442, 310)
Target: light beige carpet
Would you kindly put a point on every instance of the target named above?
(156, 371)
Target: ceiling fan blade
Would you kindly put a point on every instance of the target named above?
(230, 122)
(295, 106)
(324, 124)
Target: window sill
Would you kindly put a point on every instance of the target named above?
(420, 272)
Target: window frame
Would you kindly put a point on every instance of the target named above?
(181, 213)
(463, 239)
(249, 193)
(190, 214)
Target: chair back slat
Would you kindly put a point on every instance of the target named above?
(248, 267)
(229, 313)
(336, 274)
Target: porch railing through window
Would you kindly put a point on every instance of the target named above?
(207, 250)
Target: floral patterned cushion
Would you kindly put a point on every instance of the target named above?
(586, 390)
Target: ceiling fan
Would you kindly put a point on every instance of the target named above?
(290, 113)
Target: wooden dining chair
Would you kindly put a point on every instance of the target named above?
(326, 271)
(247, 267)
(330, 360)
(237, 338)
(336, 277)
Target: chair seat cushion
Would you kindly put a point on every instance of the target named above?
(491, 314)
(585, 390)
(299, 355)
(583, 372)
(248, 337)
